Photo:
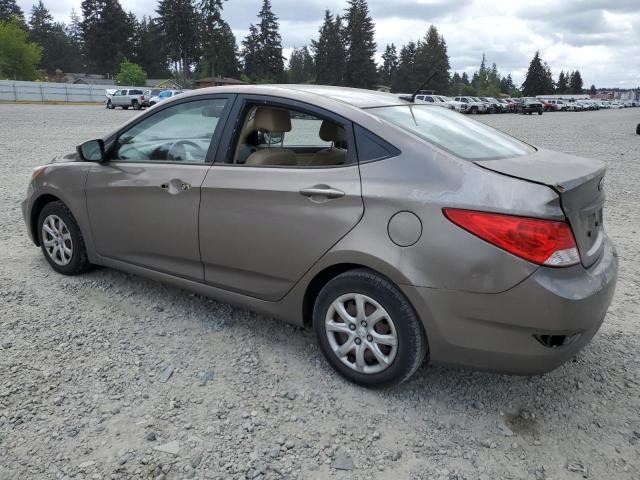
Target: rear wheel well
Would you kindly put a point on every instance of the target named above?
(320, 280)
(38, 205)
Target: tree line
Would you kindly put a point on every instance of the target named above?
(190, 39)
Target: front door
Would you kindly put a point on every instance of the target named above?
(143, 202)
(275, 207)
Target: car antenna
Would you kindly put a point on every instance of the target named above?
(412, 98)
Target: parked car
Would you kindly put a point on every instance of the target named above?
(529, 105)
(506, 105)
(457, 106)
(604, 104)
(494, 105)
(126, 98)
(616, 104)
(549, 106)
(471, 105)
(398, 231)
(149, 94)
(164, 95)
(434, 99)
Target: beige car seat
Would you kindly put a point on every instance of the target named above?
(331, 132)
(272, 120)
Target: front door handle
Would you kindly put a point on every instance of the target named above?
(175, 186)
(322, 191)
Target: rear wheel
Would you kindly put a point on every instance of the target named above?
(638, 129)
(61, 240)
(125, 107)
(136, 105)
(367, 329)
(540, 112)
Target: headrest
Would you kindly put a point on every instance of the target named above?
(272, 120)
(331, 132)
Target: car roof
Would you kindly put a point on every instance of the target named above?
(318, 94)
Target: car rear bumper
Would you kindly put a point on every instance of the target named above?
(504, 332)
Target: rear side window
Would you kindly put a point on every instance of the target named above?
(453, 132)
(371, 147)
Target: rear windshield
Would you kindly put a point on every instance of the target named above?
(454, 132)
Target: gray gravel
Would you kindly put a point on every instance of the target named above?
(83, 362)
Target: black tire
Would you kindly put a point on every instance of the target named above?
(412, 345)
(540, 112)
(125, 107)
(110, 105)
(638, 129)
(474, 110)
(136, 105)
(79, 262)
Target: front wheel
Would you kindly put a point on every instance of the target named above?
(540, 112)
(367, 329)
(110, 105)
(61, 240)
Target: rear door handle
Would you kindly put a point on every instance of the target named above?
(322, 191)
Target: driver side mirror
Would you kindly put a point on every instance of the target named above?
(91, 151)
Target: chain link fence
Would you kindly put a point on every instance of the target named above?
(14, 91)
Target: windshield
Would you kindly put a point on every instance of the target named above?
(165, 94)
(453, 132)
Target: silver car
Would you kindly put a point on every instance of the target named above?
(397, 231)
(127, 97)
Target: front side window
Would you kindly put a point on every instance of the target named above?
(277, 136)
(180, 133)
(454, 132)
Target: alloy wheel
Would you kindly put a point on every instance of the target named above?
(56, 238)
(361, 333)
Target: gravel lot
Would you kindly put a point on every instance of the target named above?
(84, 361)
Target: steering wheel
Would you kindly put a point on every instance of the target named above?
(179, 152)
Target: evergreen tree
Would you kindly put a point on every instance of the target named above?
(9, 10)
(539, 80)
(271, 60)
(301, 68)
(432, 57)
(563, 84)
(219, 50)
(329, 51)
(465, 78)
(575, 83)
(251, 53)
(58, 52)
(360, 65)
(107, 32)
(150, 52)
(389, 67)
(506, 85)
(405, 78)
(178, 22)
(592, 90)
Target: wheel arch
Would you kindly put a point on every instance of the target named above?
(321, 278)
(38, 205)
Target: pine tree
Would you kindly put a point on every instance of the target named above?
(389, 67)
(465, 78)
(506, 85)
(301, 69)
(539, 80)
(593, 90)
(251, 51)
(405, 78)
(360, 65)
(432, 57)
(178, 22)
(107, 32)
(575, 83)
(219, 51)
(329, 52)
(58, 52)
(271, 60)
(9, 10)
(150, 52)
(563, 85)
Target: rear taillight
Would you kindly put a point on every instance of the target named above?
(142, 97)
(544, 242)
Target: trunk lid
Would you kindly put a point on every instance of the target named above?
(580, 184)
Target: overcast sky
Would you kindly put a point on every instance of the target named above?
(600, 38)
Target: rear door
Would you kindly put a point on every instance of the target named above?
(143, 202)
(262, 227)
